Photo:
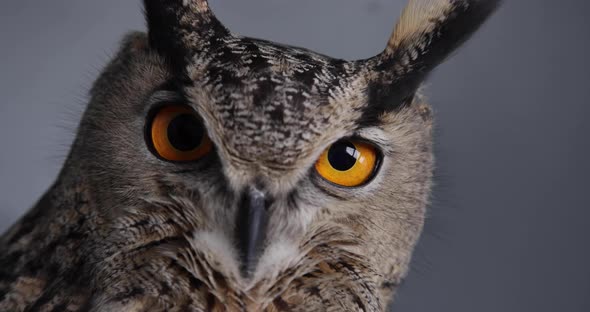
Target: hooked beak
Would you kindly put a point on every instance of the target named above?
(252, 219)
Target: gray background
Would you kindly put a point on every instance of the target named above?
(509, 227)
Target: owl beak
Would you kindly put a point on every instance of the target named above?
(251, 228)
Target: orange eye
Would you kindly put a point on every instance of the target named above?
(178, 135)
(348, 163)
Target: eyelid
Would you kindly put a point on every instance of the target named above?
(377, 137)
(157, 99)
(164, 96)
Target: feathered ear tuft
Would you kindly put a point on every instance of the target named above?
(427, 32)
(179, 28)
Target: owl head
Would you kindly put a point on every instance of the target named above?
(263, 162)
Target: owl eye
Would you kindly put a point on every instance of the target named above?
(177, 134)
(348, 163)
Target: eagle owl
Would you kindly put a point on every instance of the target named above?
(215, 172)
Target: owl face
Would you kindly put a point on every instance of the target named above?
(258, 155)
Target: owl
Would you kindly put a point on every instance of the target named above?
(215, 172)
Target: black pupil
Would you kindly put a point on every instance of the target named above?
(343, 155)
(185, 132)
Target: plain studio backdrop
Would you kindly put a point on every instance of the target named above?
(509, 227)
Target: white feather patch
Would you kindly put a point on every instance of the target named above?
(217, 244)
(277, 257)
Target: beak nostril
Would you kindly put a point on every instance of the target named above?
(252, 219)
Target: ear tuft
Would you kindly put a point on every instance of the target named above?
(179, 28)
(429, 30)
(418, 18)
(425, 35)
